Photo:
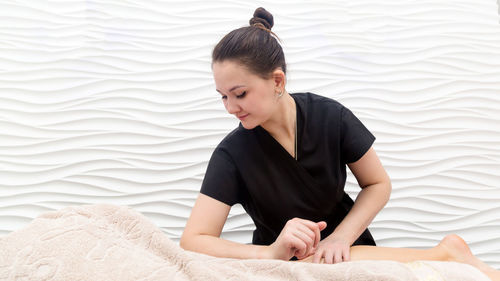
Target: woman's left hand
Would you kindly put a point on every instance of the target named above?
(332, 250)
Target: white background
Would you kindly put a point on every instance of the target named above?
(113, 102)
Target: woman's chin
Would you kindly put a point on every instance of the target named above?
(248, 125)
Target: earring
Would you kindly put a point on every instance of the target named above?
(280, 94)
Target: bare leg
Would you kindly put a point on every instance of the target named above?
(397, 254)
(459, 251)
(451, 248)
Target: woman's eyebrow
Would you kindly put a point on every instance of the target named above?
(233, 88)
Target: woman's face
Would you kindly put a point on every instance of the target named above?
(245, 95)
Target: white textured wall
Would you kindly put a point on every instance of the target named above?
(113, 101)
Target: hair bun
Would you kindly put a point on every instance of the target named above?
(263, 17)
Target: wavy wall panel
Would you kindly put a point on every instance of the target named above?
(113, 101)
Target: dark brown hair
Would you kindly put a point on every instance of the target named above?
(253, 46)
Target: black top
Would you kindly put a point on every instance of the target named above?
(252, 168)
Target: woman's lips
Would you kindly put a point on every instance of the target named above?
(241, 117)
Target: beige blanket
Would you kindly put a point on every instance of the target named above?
(105, 242)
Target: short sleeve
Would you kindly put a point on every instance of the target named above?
(221, 178)
(356, 139)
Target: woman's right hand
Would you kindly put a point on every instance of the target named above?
(299, 238)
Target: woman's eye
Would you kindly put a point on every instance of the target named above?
(242, 95)
(224, 97)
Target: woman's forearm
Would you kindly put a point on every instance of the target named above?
(202, 232)
(371, 199)
(218, 247)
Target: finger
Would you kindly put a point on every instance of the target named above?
(307, 241)
(313, 240)
(337, 257)
(298, 246)
(309, 224)
(315, 229)
(317, 256)
(328, 255)
(307, 231)
(295, 226)
(321, 225)
(347, 254)
(317, 237)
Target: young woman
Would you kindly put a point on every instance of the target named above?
(286, 164)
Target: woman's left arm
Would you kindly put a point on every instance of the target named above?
(376, 190)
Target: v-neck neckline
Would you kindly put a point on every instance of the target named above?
(297, 137)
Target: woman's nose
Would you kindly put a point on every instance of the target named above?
(232, 106)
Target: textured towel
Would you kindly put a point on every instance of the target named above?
(106, 242)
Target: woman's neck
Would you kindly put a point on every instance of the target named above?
(282, 122)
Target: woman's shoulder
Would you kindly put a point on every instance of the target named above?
(234, 140)
(317, 102)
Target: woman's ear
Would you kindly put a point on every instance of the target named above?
(279, 78)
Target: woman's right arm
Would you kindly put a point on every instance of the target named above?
(202, 234)
(203, 229)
